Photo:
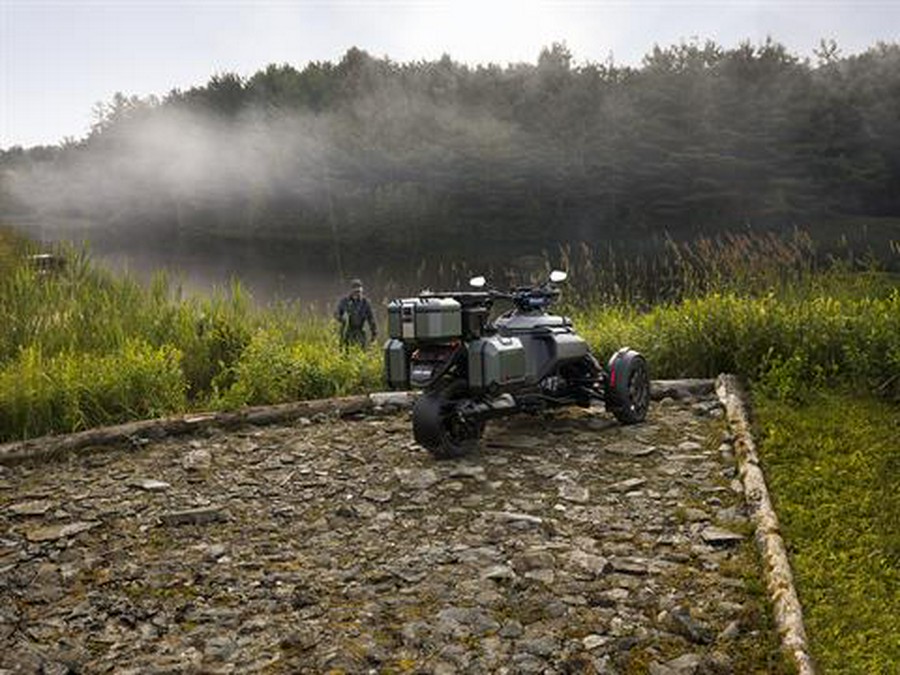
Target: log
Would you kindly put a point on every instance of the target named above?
(680, 389)
(131, 433)
(46, 447)
(777, 568)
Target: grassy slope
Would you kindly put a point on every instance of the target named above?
(83, 348)
(834, 471)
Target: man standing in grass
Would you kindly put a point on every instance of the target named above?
(353, 313)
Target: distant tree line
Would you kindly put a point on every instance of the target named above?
(373, 155)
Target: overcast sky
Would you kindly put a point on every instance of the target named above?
(58, 58)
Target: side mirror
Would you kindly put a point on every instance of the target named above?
(477, 282)
(557, 276)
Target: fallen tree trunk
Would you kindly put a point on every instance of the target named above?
(137, 432)
(779, 579)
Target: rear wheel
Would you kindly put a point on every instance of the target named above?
(439, 429)
(628, 387)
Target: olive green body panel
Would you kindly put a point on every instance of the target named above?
(569, 347)
(495, 361)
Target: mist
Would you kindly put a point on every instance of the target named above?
(296, 180)
(172, 159)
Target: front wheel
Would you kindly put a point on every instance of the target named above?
(628, 387)
(439, 429)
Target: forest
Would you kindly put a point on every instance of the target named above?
(341, 163)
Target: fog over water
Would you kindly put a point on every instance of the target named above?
(200, 193)
(412, 175)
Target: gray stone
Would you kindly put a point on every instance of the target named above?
(689, 446)
(499, 573)
(527, 664)
(733, 514)
(543, 646)
(417, 479)
(54, 532)
(731, 631)
(301, 639)
(396, 399)
(198, 459)
(475, 620)
(415, 633)
(686, 664)
(304, 595)
(610, 597)
(695, 515)
(720, 537)
(511, 629)
(496, 652)
(682, 389)
(682, 623)
(377, 496)
(629, 448)
(468, 471)
(507, 517)
(595, 565)
(149, 484)
(54, 668)
(214, 552)
(628, 484)
(715, 663)
(577, 494)
(533, 559)
(544, 576)
(201, 516)
(555, 609)
(219, 648)
(594, 641)
(451, 622)
(32, 508)
(637, 566)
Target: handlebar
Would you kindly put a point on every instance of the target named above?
(523, 297)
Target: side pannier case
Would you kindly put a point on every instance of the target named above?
(495, 361)
(425, 318)
(396, 364)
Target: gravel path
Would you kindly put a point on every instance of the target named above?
(570, 544)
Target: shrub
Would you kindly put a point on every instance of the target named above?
(273, 370)
(71, 391)
(784, 343)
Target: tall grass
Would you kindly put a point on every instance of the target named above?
(72, 391)
(762, 306)
(81, 347)
(671, 271)
(783, 343)
(765, 307)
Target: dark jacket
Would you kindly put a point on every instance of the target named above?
(354, 314)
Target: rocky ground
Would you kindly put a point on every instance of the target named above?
(570, 544)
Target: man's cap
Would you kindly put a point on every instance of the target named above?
(356, 283)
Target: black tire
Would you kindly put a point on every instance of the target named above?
(438, 430)
(628, 387)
